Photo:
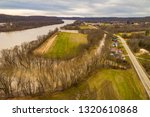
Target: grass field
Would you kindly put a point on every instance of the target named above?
(105, 24)
(145, 56)
(86, 27)
(105, 84)
(67, 45)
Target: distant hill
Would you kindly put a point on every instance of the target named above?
(14, 23)
(10, 18)
(110, 19)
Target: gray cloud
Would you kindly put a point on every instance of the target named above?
(77, 7)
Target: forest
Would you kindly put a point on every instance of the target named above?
(16, 23)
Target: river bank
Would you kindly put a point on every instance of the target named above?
(10, 39)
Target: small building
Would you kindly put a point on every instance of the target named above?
(115, 44)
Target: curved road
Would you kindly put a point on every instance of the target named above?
(141, 73)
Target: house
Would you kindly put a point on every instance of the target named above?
(113, 50)
(115, 44)
(123, 57)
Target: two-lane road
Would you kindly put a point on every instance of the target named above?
(141, 73)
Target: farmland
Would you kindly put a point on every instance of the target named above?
(67, 45)
(105, 84)
(86, 26)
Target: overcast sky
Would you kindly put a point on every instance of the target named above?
(84, 8)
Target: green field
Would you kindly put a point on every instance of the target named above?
(105, 84)
(67, 45)
(84, 27)
(145, 56)
(105, 24)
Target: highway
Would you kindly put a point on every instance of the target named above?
(141, 73)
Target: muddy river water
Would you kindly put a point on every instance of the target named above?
(10, 39)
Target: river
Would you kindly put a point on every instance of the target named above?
(10, 39)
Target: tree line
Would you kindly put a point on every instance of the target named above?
(138, 41)
(24, 74)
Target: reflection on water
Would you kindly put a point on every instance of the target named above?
(10, 39)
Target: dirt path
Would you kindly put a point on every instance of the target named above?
(70, 31)
(101, 44)
(45, 46)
